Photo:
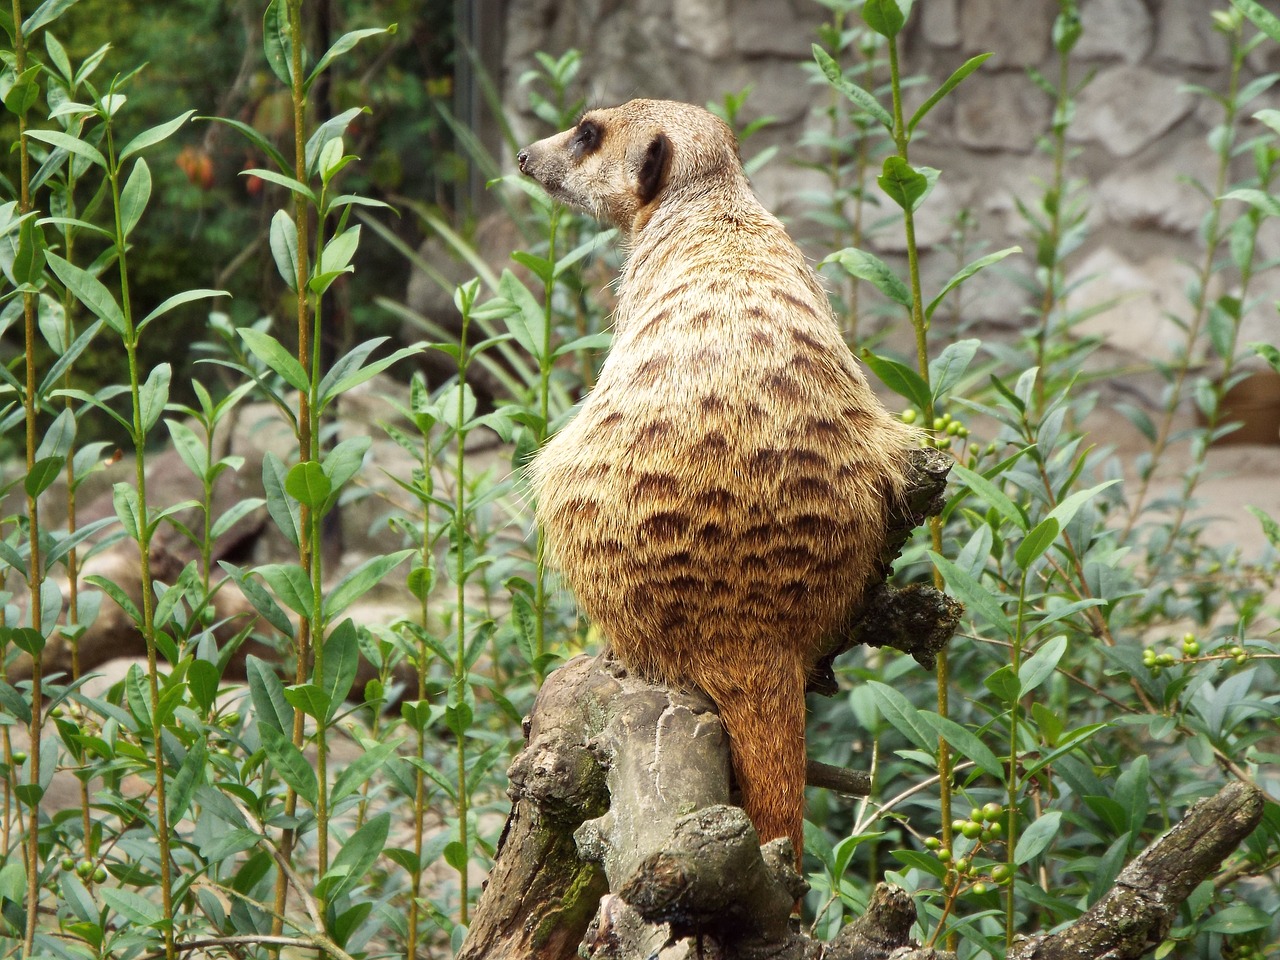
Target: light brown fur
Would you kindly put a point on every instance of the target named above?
(721, 498)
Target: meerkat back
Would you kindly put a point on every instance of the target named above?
(721, 498)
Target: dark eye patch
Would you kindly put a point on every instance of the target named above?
(587, 138)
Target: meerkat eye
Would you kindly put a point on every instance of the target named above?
(586, 139)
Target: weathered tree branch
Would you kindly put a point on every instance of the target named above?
(1136, 913)
(684, 869)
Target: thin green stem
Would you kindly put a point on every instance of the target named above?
(145, 532)
(545, 364)
(302, 644)
(1012, 784)
(460, 578)
(35, 576)
(901, 139)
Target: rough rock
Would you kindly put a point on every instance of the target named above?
(1115, 29)
(1016, 32)
(1127, 108)
(1000, 112)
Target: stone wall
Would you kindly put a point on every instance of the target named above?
(1137, 137)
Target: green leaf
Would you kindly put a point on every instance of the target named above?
(867, 266)
(42, 475)
(293, 767)
(90, 291)
(234, 514)
(1263, 202)
(1239, 917)
(977, 598)
(128, 509)
(835, 76)
(949, 367)
(1037, 837)
(276, 41)
(1004, 683)
(121, 598)
(261, 601)
(44, 14)
(134, 907)
(899, 378)
(307, 483)
(965, 742)
(1040, 666)
(343, 375)
(291, 585)
(335, 259)
(154, 135)
(344, 461)
(1035, 543)
(975, 482)
(30, 256)
(267, 693)
(178, 299)
(189, 777)
(342, 45)
(1067, 509)
(71, 144)
(134, 196)
(258, 140)
(904, 184)
(529, 323)
(153, 395)
(360, 580)
(340, 662)
(269, 350)
(965, 273)
(284, 248)
(903, 716)
(357, 855)
(189, 447)
(1262, 18)
(310, 699)
(885, 17)
(950, 84)
(59, 437)
(362, 768)
(282, 508)
(1270, 528)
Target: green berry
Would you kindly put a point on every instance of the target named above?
(963, 865)
(991, 812)
(19, 756)
(1001, 873)
(100, 875)
(910, 415)
(939, 423)
(84, 868)
(995, 829)
(971, 830)
(953, 428)
(957, 825)
(986, 836)
(944, 855)
(932, 843)
(979, 887)
(68, 863)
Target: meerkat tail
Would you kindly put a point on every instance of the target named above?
(765, 720)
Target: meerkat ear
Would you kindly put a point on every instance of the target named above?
(653, 169)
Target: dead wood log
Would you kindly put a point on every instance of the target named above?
(683, 869)
(1134, 916)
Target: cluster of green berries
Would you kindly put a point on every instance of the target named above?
(1244, 951)
(945, 428)
(983, 826)
(1155, 662)
(85, 869)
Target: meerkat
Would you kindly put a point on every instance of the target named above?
(720, 500)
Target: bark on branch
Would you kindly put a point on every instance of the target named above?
(639, 774)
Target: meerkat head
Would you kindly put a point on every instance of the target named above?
(619, 164)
